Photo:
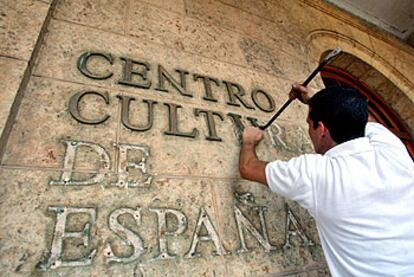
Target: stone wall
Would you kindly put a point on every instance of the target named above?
(121, 124)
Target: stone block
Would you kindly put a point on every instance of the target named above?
(264, 250)
(259, 8)
(20, 24)
(272, 35)
(11, 73)
(295, 17)
(406, 67)
(357, 67)
(183, 33)
(404, 109)
(44, 122)
(384, 50)
(177, 6)
(194, 228)
(410, 123)
(299, 19)
(27, 198)
(361, 37)
(373, 78)
(102, 14)
(272, 61)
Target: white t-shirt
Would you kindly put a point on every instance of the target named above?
(361, 194)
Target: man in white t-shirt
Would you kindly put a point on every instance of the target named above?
(359, 186)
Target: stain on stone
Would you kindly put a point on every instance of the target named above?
(51, 155)
(260, 57)
(265, 269)
(24, 257)
(18, 268)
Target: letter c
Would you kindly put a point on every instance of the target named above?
(83, 61)
(74, 107)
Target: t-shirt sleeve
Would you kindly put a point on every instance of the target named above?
(379, 135)
(295, 179)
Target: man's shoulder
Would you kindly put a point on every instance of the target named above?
(308, 160)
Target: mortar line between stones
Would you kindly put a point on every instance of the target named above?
(291, 55)
(43, 1)
(185, 8)
(25, 81)
(118, 133)
(294, 272)
(156, 176)
(219, 216)
(126, 21)
(13, 58)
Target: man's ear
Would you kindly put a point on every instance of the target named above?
(323, 131)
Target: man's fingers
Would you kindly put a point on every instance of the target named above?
(300, 92)
(252, 135)
(294, 92)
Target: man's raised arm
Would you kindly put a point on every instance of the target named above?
(251, 168)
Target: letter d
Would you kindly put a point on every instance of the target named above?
(69, 162)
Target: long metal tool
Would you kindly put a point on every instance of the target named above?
(333, 54)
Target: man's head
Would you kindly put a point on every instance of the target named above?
(336, 115)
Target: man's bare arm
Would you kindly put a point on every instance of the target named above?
(251, 168)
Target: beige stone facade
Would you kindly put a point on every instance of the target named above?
(120, 124)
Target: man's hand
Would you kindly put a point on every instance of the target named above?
(300, 92)
(251, 168)
(252, 136)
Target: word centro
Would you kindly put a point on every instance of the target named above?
(167, 231)
(135, 73)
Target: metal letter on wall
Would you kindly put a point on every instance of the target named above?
(181, 87)
(173, 123)
(244, 223)
(125, 108)
(292, 221)
(207, 86)
(128, 237)
(204, 220)
(55, 260)
(83, 62)
(129, 71)
(74, 107)
(279, 139)
(269, 99)
(125, 165)
(163, 229)
(69, 162)
(239, 126)
(236, 91)
(211, 124)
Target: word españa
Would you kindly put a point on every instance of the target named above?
(204, 232)
(135, 74)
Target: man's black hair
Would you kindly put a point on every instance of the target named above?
(344, 111)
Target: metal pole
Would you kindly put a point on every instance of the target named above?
(333, 54)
